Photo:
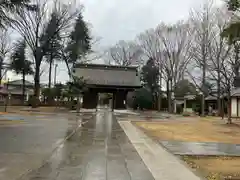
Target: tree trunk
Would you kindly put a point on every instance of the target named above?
(23, 87)
(1, 69)
(223, 107)
(169, 96)
(35, 102)
(229, 121)
(50, 73)
(160, 92)
(159, 100)
(219, 104)
(203, 88)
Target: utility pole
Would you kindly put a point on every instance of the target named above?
(55, 74)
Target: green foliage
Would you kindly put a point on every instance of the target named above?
(233, 5)
(143, 99)
(150, 75)
(208, 88)
(80, 41)
(232, 32)
(77, 86)
(58, 90)
(183, 88)
(19, 63)
(55, 92)
(50, 39)
(196, 106)
(48, 92)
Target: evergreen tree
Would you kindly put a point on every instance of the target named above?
(79, 44)
(19, 64)
(150, 76)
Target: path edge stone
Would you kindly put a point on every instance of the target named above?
(196, 173)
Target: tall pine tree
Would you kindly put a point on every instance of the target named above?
(150, 78)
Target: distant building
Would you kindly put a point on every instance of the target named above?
(13, 89)
(235, 98)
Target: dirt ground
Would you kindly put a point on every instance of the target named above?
(215, 168)
(193, 131)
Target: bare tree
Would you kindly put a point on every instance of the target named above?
(219, 51)
(5, 49)
(201, 23)
(32, 25)
(152, 48)
(176, 43)
(227, 77)
(124, 53)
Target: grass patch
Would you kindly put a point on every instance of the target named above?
(192, 131)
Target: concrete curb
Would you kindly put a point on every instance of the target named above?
(143, 144)
(45, 160)
(179, 158)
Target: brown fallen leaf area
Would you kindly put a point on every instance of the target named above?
(212, 167)
(193, 131)
(215, 168)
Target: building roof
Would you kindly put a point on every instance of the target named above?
(19, 82)
(105, 75)
(235, 92)
(189, 97)
(16, 91)
(210, 98)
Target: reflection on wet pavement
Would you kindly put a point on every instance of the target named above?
(24, 146)
(144, 116)
(201, 148)
(99, 150)
(10, 117)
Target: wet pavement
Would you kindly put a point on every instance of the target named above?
(24, 145)
(99, 150)
(141, 116)
(201, 148)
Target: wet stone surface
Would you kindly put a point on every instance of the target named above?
(99, 150)
(25, 144)
(201, 148)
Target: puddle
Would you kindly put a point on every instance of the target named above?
(11, 117)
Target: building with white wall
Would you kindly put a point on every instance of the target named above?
(235, 103)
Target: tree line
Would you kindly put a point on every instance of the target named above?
(203, 49)
(46, 31)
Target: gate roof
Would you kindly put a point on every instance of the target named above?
(108, 75)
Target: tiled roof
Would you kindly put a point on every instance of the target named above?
(210, 97)
(96, 74)
(190, 97)
(235, 92)
(19, 82)
(15, 91)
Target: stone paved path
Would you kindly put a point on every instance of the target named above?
(162, 164)
(99, 150)
(201, 148)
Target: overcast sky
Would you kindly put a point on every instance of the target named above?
(114, 20)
